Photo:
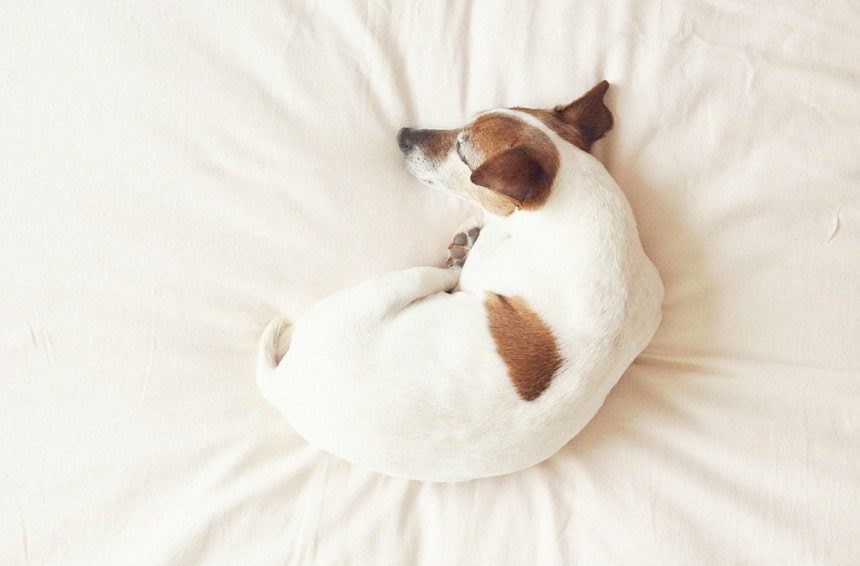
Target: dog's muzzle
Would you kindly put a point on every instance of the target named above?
(407, 138)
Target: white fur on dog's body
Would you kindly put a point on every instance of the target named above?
(398, 376)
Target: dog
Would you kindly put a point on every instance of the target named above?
(493, 362)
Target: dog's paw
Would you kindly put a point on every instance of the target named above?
(460, 246)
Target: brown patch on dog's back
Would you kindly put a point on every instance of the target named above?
(524, 342)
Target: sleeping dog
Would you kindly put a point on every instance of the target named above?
(495, 361)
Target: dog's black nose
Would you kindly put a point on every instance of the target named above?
(407, 138)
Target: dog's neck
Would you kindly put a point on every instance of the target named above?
(582, 187)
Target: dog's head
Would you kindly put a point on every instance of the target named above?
(499, 159)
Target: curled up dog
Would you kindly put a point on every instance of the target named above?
(493, 362)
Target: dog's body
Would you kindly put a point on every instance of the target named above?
(555, 300)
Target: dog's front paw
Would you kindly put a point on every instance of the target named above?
(460, 246)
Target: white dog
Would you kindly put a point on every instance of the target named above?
(453, 373)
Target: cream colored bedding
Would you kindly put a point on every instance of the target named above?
(174, 174)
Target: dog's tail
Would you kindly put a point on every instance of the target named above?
(274, 344)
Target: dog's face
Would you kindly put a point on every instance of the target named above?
(498, 159)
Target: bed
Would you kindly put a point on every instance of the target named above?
(173, 174)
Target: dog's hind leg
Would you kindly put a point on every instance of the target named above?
(392, 292)
(382, 296)
(348, 314)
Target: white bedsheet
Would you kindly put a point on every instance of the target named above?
(172, 174)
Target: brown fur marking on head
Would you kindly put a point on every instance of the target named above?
(582, 122)
(520, 163)
(564, 130)
(439, 143)
(524, 342)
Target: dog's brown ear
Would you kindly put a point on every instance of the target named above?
(515, 176)
(588, 114)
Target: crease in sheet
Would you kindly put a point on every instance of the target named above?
(834, 228)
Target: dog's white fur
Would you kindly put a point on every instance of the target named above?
(400, 376)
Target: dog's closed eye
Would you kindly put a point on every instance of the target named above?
(462, 157)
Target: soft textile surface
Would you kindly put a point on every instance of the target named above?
(174, 174)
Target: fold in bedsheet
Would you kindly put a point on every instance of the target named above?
(174, 174)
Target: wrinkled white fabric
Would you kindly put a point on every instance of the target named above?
(174, 174)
